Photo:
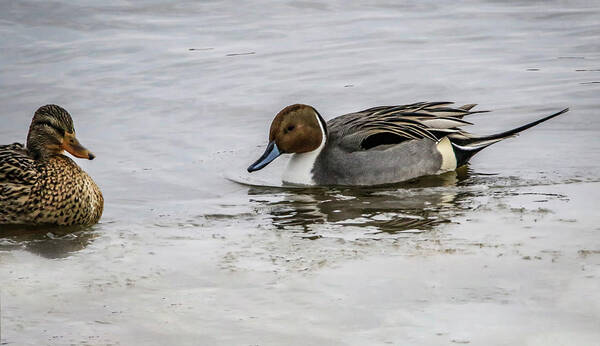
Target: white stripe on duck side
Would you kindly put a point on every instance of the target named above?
(448, 158)
(300, 166)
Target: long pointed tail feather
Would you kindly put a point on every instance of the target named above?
(465, 147)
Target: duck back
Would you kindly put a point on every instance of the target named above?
(53, 191)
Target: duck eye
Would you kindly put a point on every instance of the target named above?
(290, 128)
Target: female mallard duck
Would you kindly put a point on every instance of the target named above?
(39, 185)
(379, 145)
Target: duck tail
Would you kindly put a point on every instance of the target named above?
(466, 146)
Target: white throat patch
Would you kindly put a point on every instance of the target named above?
(300, 166)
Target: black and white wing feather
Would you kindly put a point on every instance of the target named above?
(388, 125)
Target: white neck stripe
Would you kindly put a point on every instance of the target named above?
(299, 169)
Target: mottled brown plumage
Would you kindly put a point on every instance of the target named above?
(40, 185)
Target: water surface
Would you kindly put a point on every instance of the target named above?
(175, 99)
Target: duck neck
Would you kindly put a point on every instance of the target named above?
(43, 146)
(300, 167)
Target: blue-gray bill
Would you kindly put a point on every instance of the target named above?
(271, 153)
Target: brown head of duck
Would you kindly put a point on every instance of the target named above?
(296, 129)
(51, 133)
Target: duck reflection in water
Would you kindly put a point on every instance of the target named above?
(410, 207)
(47, 241)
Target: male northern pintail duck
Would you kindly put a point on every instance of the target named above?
(379, 145)
(39, 185)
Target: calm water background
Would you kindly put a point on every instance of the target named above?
(175, 97)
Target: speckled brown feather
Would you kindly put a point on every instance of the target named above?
(54, 191)
(48, 188)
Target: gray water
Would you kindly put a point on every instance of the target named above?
(175, 99)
